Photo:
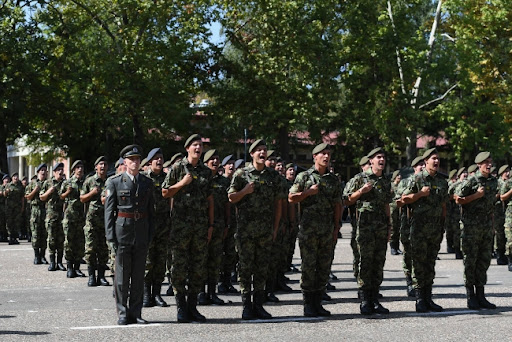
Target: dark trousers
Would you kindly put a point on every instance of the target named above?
(129, 277)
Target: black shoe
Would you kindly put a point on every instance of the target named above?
(42, 253)
(170, 291)
(421, 303)
(309, 304)
(122, 321)
(366, 306)
(396, 251)
(509, 263)
(257, 306)
(53, 266)
(459, 255)
(332, 276)
(482, 301)
(140, 320)
(410, 291)
(147, 299)
(13, 241)
(271, 297)
(203, 299)
(247, 313)
(330, 287)
(232, 290)
(317, 301)
(101, 276)
(430, 303)
(37, 257)
(157, 298)
(71, 272)
(326, 297)
(450, 250)
(192, 308)
(223, 288)
(60, 265)
(77, 270)
(377, 307)
(181, 305)
(501, 259)
(471, 298)
(92, 276)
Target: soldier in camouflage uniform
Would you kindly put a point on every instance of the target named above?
(255, 190)
(319, 193)
(394, 243)
(499, 218)
(506, 193)
(54, 214)
(448, 225)
(426, 194)
(371, 192)
(477, 196)
(37, 215)
(455, 214)
(293, 229)
(14, 207)
(222, 211)
(157, 252)
(3, 230)
(190, 185)
(96, 249)
(74, 220)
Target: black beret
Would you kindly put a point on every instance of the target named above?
(57, 165)
(209, 154)
(176, 156)
(238, 163)
(227, 159)
(120, 161)
(153, 152)
(76, 163)
(503, 169)
(257, 143)
(192, 138)
(374, 152)
(100, 159)
(429, 152)
(320, 147)
(40, 166)
(131, 151)
(6, 176)
(480, 157)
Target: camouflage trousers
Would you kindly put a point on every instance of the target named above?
(13, 221)
(74, 243)
(476, 243)
(394, 241)
(189, 247)
(277, 254)
(456, 227)
(55, 233)
(254, 247)
(291, 241)
(316, 252)
(96, 249)
(405, 232)
(508, 246)
(3, 229)
(214, 255)
(426, 234)
(499, 238)
(353, 243)
(230, 257)
(37, 226)
(157, 252)
(372, 237)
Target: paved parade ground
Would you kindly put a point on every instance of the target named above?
(39, 305)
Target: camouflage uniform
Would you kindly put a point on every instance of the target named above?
(394, 241)
(3, 229)
(499, 223)
(96, 249)
(455, 219)
(157, 252)
(230, 257)
(37, 217)
(292, 231)
(317, 227)
(74, 221)
(405, 232)
(506, 187)
(476, 235)
(54, 215)
(427, 227)
(372, 228)
(353, 223)
(14, 208)
(255, 224)
(189, 234)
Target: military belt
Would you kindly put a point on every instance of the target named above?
(135, 215)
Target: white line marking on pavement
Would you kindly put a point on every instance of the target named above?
(15, 249)
(31, 311)
(286, 319)
(443, 313)
(117, 326)
(11, 301)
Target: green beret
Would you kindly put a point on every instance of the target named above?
(191, 139)
(271, 153)
(76, 163)
(320, 147)
(167, 164)
(100, 159)
(144, 162)
(363, 161)
(503, 169)
(452, 173)
(17, 174)
(493, 169)
(209, 154)
(461, 170)
(174, 157)
(131, 151)
(480, 157)
(257, 143)
(472, 168)
(374, 152)
(395, 174)
(429, 152)
(416, 161)
(119, 162)
(289, 165)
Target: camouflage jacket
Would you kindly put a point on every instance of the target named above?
(483, 206)
(36, 201)
(73, 199)
(377, 198)
(220, 186)
(161, 203)
(431, 205)
(14, 198)
(95, 205)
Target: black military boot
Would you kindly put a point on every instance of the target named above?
(458, 254)
(157, 298)
(53, 265)
(147, 301)
(77, 270)
(366, 306)
(247, 313)
(42, 252)
(472, 301)
(270, 287)
(281, 284)
(410, 288)
(317, 301)
(101, 276)
(203, 298)
(71, 272)
(170, 290)
(192, 308)
(257, 305)
(377, 306)
(309, 304)
(13, 241)
(212, 294)
(92, 276)
(510, 263)
(223, 286)
(421, 304)
(60, 265)
(482, 301)
(430, 303)
(181, 305)
(501, 259)
(37, 257)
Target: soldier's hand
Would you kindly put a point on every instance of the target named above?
(95, 190)
(249, 188)
(425, 191)
(52, 189)
(366, 188)
(481, 191)
(187, 179)
(70, 188)
(313, 190)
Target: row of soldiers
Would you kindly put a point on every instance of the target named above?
(202, 217)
